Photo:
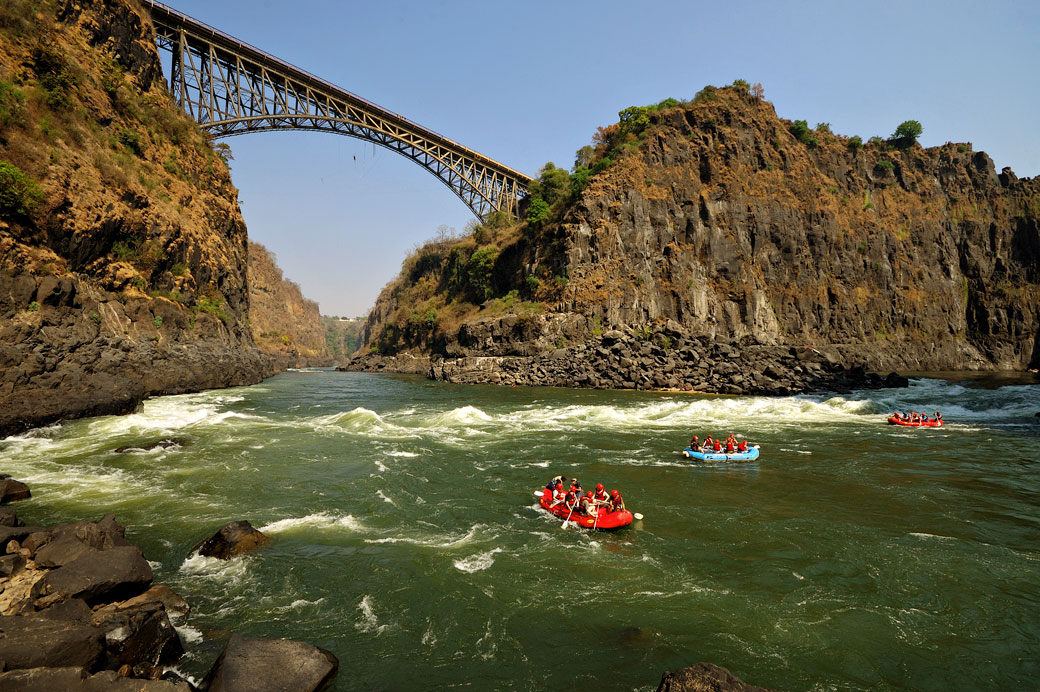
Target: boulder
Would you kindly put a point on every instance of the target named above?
(33, 642)
(70, 679)
(705, 677)
(160, 593)
(11, 565)
(61, 551)
(141, 634)
(102, 534)
(247, 665)
(98, 575)
(234, 538)
(9, 518)
(12, 490)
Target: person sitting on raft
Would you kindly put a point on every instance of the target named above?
(742, 447)
(718, 447)
(706, 447)
(600, 496)
(556, 481)
(694, 443)
(588, 505)
(617, 503)
(731, 444)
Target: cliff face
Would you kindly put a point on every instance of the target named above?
(717, 230)
(122, 247)
(285, 325)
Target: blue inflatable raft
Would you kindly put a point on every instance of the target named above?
(749, 455)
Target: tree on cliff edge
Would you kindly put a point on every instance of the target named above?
(906, 134)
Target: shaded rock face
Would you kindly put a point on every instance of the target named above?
(718, 219)
(128, 278)
(233, 539)
(286, 326)
(12, 490)
(246, 665)
(705, 677)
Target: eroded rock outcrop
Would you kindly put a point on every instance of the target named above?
(234, 538)
(123, 253)
(705, 677)
(715, 217)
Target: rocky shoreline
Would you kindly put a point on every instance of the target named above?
(79, 612)
(662, 357)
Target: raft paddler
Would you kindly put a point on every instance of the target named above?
(600, 496)
(588, 504)
(617, 503)
(742, 447)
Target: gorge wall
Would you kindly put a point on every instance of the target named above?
(712, 247)
(285, 325)
(122, 248)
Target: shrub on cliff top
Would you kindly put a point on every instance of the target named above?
(480, 268)
(906, 134)
(800, 129)
(20, 196)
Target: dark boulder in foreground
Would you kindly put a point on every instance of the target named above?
(247, 665)
(233, 539)
(705, 677)
(34, 642)
(12, 490)
(77, 680)
(96, 576)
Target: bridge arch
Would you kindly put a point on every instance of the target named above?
(230, 88)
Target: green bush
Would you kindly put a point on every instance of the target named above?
(158, 322)
(124, 251)
(742, 85)
(33, 306)
(20, 196)
(823, 127)
(884, 166)
(634, 119)
(12, 104)
(855, 143)
(800, 129)
(907, 133)
(537, 212)
(54, 74)
(481, 270)
(706, 94)
(212, 306)
(131, 139)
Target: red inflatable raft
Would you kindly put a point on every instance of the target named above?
(927, 423)
(606, 520)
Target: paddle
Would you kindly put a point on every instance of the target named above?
(567, 520)
(637, 515)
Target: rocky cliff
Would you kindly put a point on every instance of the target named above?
(713, 245)
(122, 247)
(286, 326)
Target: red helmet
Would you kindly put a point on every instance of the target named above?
(588, 494)
(599, 486)
(613, 493)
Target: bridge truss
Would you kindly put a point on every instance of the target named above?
(230, 88)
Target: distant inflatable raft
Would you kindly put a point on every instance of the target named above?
(749, 455)
(928, 423)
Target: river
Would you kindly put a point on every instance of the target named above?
(853, 555)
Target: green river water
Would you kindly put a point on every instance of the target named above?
(853, 555)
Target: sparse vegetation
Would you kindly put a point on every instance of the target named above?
(33, 306)
(855, 143)
(906, 134)
(20, 196)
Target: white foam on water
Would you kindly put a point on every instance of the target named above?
(797, 576)
(189, 634)
(478, 562)
(428, 637)
(540, 464)
(155, 565)
(369, 622)
(915, 534)
(298, 604)
(379, 465)
(463, 416)
(379, 493)
(323, 521)
(438, 542)
(402, 454)
(227, 571)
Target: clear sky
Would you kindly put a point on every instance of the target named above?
(529, 82)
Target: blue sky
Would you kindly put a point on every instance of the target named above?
(529, 82)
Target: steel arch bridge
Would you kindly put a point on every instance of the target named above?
(230, 88)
